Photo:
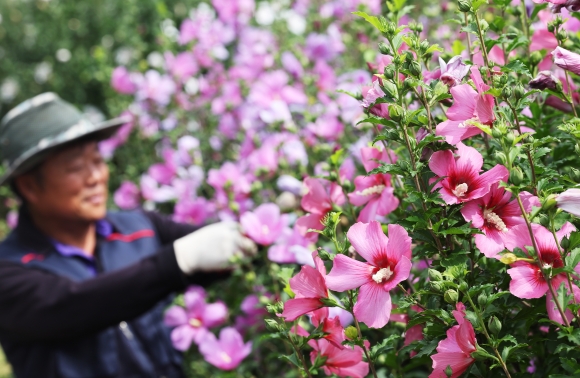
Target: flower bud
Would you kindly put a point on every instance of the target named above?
(351, 333)
(437, 286)
(494, 325)
(562, 35)
(390, 89)
(535, 58)
(464, 6)
(549, 202)
(415, 68)
(510, 139)
(519, 91)
(390, 28)
(272, 325)
(508, 258)
(507, 92)
(275, 308)
(516, 176)
(384, 49)
(500, 156)
(389, 72)
(395, 112)
(565, 243)
(424, 45)
(496, 133)
(451, 296)
(544, 80)
(435, 275)
(328, 302)
(503, 79)
(482, 300)
(324, 256)
(463, 286)
(551, 27)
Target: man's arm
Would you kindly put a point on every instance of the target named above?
(167, 229)
(38, 306)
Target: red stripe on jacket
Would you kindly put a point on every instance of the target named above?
(131, 237)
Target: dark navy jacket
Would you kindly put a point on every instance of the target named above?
(59, 320)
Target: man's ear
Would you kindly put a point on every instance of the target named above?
(28, 187)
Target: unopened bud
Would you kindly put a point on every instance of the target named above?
(519, 91)
(272, 325)
(395, 112)
(535, 58)
(562, 35)
(544, 80)
(507, 92)
(494, 325)
(390, 89)
(384, 49)
(391, 27)
(549, 203)
(496, 133)
(510, 138)
(275, 308)
(451, 296)
(424, 45)
(389, 72)
(503, 79)
(437, 286)
(324, 256)
(435, 275)
(415, 68)
(516, 176)
(351, 333)
(565, 243)
(448, 371)
(500, 156)
(550, 27)
(508, 258)
(463, 286)
(482, 300)
(464, 6)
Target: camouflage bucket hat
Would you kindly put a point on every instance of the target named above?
(33, 129)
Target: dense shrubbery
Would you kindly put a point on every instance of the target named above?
(425, 189)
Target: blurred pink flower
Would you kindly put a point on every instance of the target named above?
(569, 201)
(187, 31)
(567, 60)
(461, 179)
(291, 247)
(388, 263)
(456, 349)
(265, 224)
(192, 322)
(183, 66)
(194, 211)
(122, 82)
(372, 94)
(318, 203)
(127, 196)
(453, 72)
(344, 362)
(227, 352)
(156, 87)
(12, 219)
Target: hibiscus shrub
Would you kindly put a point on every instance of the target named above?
(414, 203)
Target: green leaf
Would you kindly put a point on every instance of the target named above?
(371, 19)
(292, 359)
(516, 66)
(476, 4)
(518, 42)
(537, 10)
(457, 47)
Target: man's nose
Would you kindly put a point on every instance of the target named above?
(95, 173)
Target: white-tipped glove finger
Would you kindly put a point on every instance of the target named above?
(208, 249)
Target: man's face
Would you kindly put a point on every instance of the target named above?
(73, 184)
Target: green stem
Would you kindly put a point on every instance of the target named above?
(525, 21)
(300, 356)
(528, 152)
(481, 42)
(364, 348)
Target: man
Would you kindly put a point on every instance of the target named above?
(82, 291)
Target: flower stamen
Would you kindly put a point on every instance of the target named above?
(494, 219)
(460, 190)
(377, 189)
(382, 275)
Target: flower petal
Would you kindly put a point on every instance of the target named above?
(442, 162)
(399, 243)
(525, 282)
(368, 240)
(373, 306)
(297, 307)
(348, 274)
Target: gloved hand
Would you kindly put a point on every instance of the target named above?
(211, 247)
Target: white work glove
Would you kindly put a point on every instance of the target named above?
(211, 247)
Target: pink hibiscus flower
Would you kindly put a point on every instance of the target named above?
(462, 181)
(227, 352)
(528, 281)
(374, 191)
(332, 327)
(494, 214)
(469, 107)
(343, 362)
(318, 202)
(265, 224)
(309, 287)
(456, 349)
(388, 263)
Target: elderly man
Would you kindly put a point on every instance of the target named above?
(83, 290)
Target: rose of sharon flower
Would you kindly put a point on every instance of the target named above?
(567, 60)
(309, 287)
(456, 349)
(193, 321)
(388, 263)
(122, 81)
(265, 224)
(569, 201)
(453, 71)
(544, 80)
(495, 214)
(462, 181)
(343, 362)
(227, 352)
(318, 202)
(127, 196)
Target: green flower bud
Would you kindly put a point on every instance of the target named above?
(562, 34)
(516, 176)
(451, 296)
(398, 60)
(519, 91)
(435, 275)
(384, 49)
(351, 333)
(275, 308)
(389, 72)
(549, 202)
(390, 88)
(503, 79)
(347, 185)
(396, 112)
(510, 138)
(324, 256)
(390, 28)
(535, 58)
(500, 156)
(463, 286)
(482, 300)
(425, 45)
(464, 6)
(496, 133)
(507, 92)
(448, 371)
(565, 243)
(272, 325)
(409, 58)
(415, 68)
(437, 286)
(494, 325)
(551, 27)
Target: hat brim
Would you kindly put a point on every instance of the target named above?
(37, 155)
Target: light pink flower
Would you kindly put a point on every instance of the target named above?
(456, 349)
(332, 327)
(528, 281)
(552, 309)
(309, 286)
(374, 191)
(469, 106)
(388, 263)
(122, 81)
(318, 202)
(370, 95)
(127, 196)
(569, 201)
(227, 352)
(496, 213)
(192, 322)
(462, 181)
(343, 362)
(567, 60)
(453, 71)
(265, 224)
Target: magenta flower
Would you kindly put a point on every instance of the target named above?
(265, 224)
(227, 352)
(388, 263)
(183, 66)
(567, 60)
(343, 362)
(494, 214)
(462, 181)
(469, 108)
(192, 322)
(544, 80)
(370, 95)
(122, 81)
(453, 72)
(528, 281)
(195, 211)
(331, 326)
(374, 191)
(569, 201)
(127, 196)
(309, 287)
(318, 203)
(290, 247)
(156, 87)
(456, 349)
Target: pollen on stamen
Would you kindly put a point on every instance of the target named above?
(496, 221)
(460, 190)
(377, 189)
(382, 275)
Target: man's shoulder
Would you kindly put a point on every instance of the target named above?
(129, 221)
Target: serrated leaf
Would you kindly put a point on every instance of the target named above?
(516, 66)
(371, 20)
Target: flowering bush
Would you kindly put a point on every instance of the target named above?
(413, 202)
